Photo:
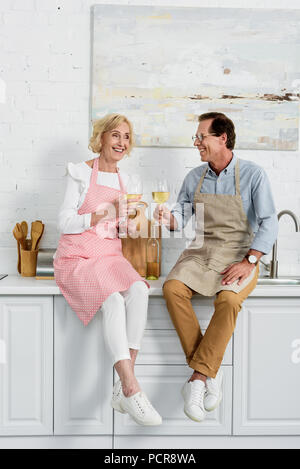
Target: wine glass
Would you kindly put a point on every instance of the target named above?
(134, 190)
(160, 193)
(134, 187)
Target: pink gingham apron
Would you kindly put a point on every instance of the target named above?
(90, 266)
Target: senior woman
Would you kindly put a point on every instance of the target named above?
(89, 266)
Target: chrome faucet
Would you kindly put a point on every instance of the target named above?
(274, 261)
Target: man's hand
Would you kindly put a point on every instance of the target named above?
(164, 217)
(240, 270)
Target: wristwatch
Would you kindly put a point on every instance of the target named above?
(251, 259)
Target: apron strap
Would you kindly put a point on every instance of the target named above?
(237, 177)
(122, 187)
(94, 175)
(198, 189)
(94, 172)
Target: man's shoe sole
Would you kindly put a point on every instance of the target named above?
(210, 409)
(187, 414)
(193, 418)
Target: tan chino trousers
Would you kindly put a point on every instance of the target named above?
(204, 352)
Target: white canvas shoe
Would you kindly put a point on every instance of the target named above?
(140, 409)
(213, 393)
(193, 395)
(116, 397)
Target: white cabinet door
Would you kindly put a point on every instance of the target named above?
(163, 347)
(26, 365)
(83, 375)
(162, 384)
(267, 367)
(159, 318)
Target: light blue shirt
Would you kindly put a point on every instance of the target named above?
(255, 191)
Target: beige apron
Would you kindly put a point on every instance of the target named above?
(227, 237)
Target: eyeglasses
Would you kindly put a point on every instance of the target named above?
(200, 137)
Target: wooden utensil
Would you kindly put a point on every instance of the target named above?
(36, 232)
(24, 227)
(18, 234)
(38, 241)
(19, 254)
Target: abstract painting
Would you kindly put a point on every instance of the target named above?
(163, 66)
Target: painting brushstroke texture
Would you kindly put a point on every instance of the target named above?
(163, 66)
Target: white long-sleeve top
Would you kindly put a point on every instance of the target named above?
(77, 183)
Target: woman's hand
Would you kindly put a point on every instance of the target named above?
(125, 207)
(95, 218)
(240, 270)
(132, 228)
(119, 208)
(128, 212)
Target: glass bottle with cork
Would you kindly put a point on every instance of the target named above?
(152, 256)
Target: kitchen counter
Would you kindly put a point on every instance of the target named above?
(17, 285)
(57, 376)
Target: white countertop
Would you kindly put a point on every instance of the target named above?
(17, 285)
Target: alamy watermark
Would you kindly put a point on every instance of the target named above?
(2, 351)
(295, 357)
(2, 91)
(113, 225)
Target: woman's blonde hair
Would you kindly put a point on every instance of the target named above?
(107, 123)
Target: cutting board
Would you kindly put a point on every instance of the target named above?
(135, 249)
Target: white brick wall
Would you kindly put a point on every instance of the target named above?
(44, 123)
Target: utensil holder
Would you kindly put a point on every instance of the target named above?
(28, 261)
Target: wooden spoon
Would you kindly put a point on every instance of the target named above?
(19, 254)
(36, 232)
(38, 241)
(24, 227)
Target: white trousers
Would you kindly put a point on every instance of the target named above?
(124, 316)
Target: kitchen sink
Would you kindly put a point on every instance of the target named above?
(278, 281)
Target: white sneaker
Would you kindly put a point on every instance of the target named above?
(213, 394)
(116, 397)
(193, 395)
(140, 409)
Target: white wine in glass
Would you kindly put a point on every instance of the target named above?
(160, 197)
(133, 196)
(161, 192)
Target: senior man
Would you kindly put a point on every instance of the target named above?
(240, 225)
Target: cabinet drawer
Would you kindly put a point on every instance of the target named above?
(159, 318)
(162, 384)
(163, 347)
